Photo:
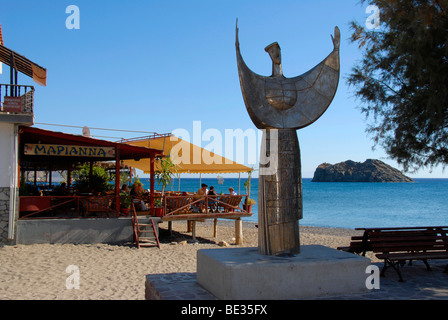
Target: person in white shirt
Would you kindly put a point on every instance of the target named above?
(232, 192)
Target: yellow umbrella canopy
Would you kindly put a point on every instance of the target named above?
(188, 157)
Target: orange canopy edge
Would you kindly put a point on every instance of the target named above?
(188, 157)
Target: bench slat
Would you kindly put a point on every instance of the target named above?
(422, 233)
(407, 246)
(403, 228)
(416, 256)
(431, 238)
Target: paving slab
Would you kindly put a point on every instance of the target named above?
(419, 284)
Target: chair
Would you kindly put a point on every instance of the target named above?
(213, 203)
(230, 202)
(178, 204)
(97, 204)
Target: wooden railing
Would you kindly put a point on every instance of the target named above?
(16, 98)
(32, 206)
(193, 203)
(150, 136)
(173, 205)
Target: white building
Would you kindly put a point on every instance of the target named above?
(16, 108)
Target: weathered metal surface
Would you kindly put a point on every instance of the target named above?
(289, 103)
(280, 197)
(281, 106)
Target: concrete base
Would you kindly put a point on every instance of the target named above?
(78, 231)
(243, 274)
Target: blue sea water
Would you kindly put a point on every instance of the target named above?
(352, 205)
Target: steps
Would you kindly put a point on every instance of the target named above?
(145, 234)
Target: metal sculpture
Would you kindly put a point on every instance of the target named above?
(280, 106)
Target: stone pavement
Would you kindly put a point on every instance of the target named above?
(175, 286)
(419, 284)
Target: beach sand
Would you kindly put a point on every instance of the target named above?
(117, 272)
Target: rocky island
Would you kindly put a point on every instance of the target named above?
(350, 171)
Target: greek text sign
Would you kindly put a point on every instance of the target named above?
(68, 151)
(12, 104)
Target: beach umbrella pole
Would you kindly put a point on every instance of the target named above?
(239, 182)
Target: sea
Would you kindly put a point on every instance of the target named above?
(349, 205)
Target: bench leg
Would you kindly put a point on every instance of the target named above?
(394, 265)
(427, 265)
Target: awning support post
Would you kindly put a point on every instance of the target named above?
(117, 178)
(151, 196)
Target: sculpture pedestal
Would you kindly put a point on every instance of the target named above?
(243, 274)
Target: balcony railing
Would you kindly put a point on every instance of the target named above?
(16, 98)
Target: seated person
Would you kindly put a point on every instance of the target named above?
(62, 190)
(200, 195)
(136, 192)
(211, 201)
(125, 189)
(133, 191)
(140, 205)
(232, 192)
(203, 191)
(139, 190)
(212, 191)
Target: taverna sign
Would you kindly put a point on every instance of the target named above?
(68, 151)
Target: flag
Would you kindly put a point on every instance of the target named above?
(1, 42)
(39, 75)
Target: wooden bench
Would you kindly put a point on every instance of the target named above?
(358, 245)
(397, 245)
(178, 204)
(229, 203)
(97, 204)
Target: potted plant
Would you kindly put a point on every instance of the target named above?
(125, 203)
(158, 208)
(248, 205)
(164, 177)
(166, 173)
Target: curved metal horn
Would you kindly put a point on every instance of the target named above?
(309, 95)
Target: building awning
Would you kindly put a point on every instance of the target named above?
(1, 35)
(23, 65)
(60, 149)
(188, 157)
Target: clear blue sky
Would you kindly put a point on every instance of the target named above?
(160, 65)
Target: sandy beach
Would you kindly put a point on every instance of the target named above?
(117, 272)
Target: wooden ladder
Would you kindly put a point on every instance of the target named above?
(145, 234)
